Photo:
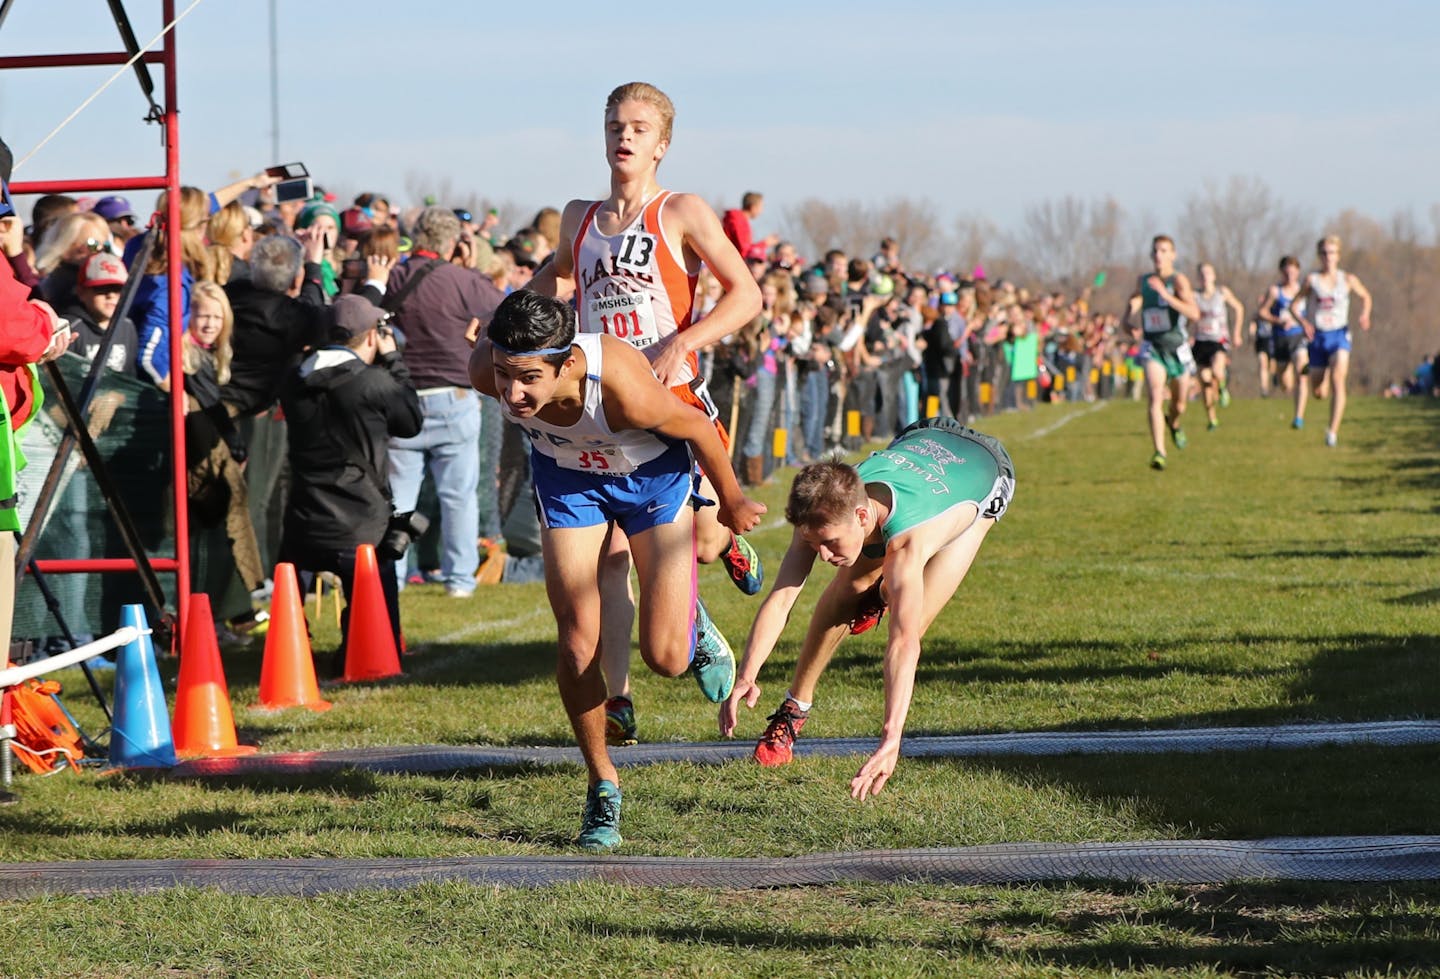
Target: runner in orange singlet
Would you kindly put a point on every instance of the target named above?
(631, 263)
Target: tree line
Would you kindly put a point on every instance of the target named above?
(1241, 226)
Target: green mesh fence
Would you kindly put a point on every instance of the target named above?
(130, 422)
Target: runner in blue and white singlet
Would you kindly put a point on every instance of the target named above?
(1326, 321)
(1277, 307)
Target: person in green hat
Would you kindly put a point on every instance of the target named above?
(320, 215)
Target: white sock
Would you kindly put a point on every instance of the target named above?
(803, 705)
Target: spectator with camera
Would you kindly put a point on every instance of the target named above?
(435, 302)
(344, 403)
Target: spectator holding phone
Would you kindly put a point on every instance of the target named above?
(323, 220)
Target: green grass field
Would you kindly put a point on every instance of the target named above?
(1262, 579)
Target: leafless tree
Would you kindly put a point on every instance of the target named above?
(1242, 227)
(1068, 241)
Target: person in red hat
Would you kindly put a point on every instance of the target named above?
(97, 292)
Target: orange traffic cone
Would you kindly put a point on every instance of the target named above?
(370, 652)
(287, 674)
(204, 726)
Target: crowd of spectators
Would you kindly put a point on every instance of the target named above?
(846, 349)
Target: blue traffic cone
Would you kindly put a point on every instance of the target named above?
(140, 735)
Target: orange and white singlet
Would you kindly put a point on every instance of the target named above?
(634, 284)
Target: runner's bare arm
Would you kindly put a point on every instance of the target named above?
(770, 622)
(905, 579)
(704, 240)
(635, 399)
(1183, 301)
(1237, 310)
(1132, 309)
(1262, 309)
(1302, 300)
(1366, 302)
(556, 278)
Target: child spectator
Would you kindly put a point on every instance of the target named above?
(92, 315)
(214, 450)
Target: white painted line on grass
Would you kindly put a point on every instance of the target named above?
(1042, 432)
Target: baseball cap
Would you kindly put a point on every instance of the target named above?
(354, 222)
(353, 317)
(103, 269)
(113, 208)
(816, 285)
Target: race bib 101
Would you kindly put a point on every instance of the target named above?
(628, 316)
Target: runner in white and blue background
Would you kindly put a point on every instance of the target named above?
(1217, 332)
(1277, 308)
(1325, 317)
(610, 447)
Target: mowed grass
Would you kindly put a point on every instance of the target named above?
(1262, 579)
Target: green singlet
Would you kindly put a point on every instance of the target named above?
(934, 465)
(1164, 329)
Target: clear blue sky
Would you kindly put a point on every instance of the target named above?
(981, 108)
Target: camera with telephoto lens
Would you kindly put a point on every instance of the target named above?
(403, 529)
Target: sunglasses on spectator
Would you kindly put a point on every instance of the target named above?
(127, 219)
(96, 245)
(109, 290)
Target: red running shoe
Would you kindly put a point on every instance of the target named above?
(744, 565)
(776, 745)
(870, 610)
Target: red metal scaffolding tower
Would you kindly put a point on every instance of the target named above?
(168, 115)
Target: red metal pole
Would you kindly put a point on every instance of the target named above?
(74, 60)
(87, 185)
(177, 373)
(100, 564)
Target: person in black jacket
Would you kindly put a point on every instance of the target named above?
(279, 311)
(343, 404)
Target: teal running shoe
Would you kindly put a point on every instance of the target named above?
(744, 565)
(712, 662)
(600, 826)
(620, 722)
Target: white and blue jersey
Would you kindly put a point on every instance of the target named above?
(1331, 317)
(587, 474)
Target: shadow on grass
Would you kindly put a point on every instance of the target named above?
(1236, 927)
(1358, 677)
(1429, 597)
(469, 664)
(1315, 929)
(1331, 791)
